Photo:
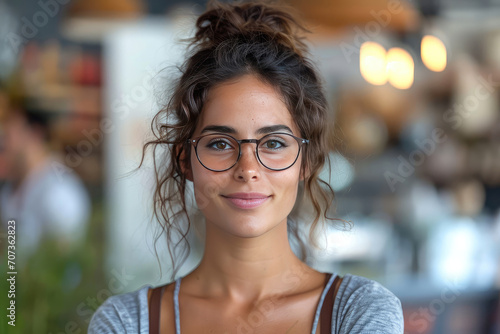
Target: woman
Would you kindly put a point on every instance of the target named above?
(247, 127)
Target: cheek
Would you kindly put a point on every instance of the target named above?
(288, 185)
(204, 190)
(292, 193)
(207, 185)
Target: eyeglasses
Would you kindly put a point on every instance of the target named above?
(219, 152)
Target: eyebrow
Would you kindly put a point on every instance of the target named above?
(230, 130)
(218, 128)
(273, 128)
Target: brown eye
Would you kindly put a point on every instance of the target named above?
(217, 144)
(272, 144)
(220, 145)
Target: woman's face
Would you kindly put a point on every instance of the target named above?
(247, 200)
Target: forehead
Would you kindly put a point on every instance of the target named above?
(245, 104)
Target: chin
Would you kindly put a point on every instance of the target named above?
(244, 227)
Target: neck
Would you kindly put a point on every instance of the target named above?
(248, 268)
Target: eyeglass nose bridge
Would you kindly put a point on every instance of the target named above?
(248, 141)
(243, 141)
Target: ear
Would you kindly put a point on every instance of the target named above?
(184, 162)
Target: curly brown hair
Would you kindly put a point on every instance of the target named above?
(231, 40)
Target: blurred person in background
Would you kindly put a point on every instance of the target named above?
(44, 197)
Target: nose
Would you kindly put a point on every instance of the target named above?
(248, 166)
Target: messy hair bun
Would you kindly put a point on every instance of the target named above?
(222, 22)
(233, 40)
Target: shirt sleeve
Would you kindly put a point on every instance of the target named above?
(367, 307)
(108, 318)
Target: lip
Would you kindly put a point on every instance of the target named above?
(246, 200)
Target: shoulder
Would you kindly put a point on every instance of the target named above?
(125, 313)
(363, 305)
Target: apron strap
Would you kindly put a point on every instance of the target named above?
(154, 310)
(327, 308)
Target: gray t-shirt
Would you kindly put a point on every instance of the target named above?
(361, 306)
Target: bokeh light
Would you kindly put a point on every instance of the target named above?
(433, 52)
(372, 63)
(400, 68)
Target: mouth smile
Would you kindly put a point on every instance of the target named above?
(246, 200)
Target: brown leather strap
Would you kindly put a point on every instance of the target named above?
(154, 310)
(327, 308)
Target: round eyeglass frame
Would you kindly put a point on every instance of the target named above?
(300, 141)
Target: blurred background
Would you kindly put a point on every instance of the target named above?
(414, 89)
